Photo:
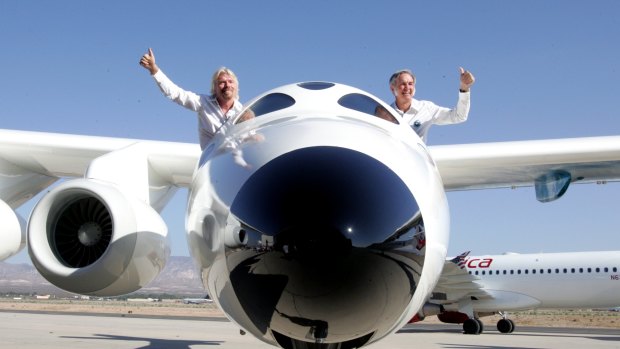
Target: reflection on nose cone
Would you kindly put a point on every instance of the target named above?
(314, 218)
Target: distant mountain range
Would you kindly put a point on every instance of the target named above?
(179, 277)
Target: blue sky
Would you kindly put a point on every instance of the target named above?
(544, 69)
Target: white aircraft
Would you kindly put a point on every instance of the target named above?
(473, 287)
(300, 219)
(197, 300)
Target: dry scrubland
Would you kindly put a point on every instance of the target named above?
(550, 318)
(165, 308)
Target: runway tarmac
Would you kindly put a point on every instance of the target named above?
(28, 330)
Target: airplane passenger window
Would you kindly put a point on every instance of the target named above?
(365, 104)
(615, 269)
(267, 104)
(598, 270)
(606, 269)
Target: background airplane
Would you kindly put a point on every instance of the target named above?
(471, 287)
(197, 300)
(303, 243)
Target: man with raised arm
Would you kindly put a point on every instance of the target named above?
(421, 115)
(213, 109)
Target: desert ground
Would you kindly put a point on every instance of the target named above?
(541, 317)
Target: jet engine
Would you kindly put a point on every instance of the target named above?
(90, 237)
(12, 232)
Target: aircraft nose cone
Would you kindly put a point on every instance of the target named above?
(314, 218)
(326, 189)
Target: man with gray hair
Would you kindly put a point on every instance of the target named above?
(421, 115)
(213, 110)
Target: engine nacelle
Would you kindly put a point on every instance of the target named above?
(12, 232)
(88, 237)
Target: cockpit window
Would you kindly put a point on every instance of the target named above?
(267, 104)
(365, 104)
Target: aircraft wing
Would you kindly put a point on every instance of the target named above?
(48, 156)
(31, 161)
(549, 165)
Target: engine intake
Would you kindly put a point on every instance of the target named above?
(82, 232)
(89, 237)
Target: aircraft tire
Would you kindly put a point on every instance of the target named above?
(512, 326)
(471, 326)
(505, 326)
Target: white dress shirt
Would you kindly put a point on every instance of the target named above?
(423, 114)
(210, 115)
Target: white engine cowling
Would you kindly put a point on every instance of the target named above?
(89, 237)
(12, 232)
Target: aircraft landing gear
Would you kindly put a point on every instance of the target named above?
(473, 326)
(505, 325)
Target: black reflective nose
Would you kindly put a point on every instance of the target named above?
(315, 219)
(325, 194)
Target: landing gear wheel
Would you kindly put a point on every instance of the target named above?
(512, 326)
(505, 326)
(481, 326)
(472, 326)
